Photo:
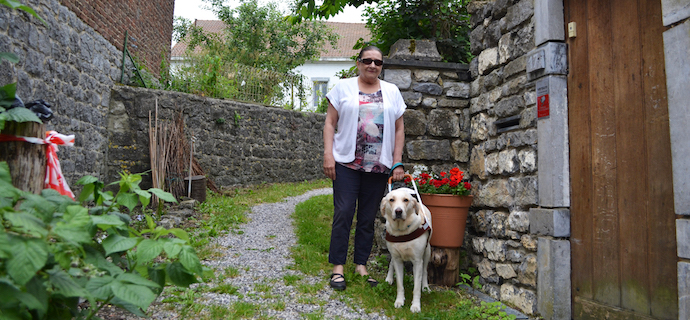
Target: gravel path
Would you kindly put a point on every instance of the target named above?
(261, 254)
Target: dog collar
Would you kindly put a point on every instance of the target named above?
(410, 236)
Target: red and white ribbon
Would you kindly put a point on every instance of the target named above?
(54, 178)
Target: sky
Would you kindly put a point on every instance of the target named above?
(193, 9)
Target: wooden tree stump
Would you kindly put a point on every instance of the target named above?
(444, 266)
(27, 161)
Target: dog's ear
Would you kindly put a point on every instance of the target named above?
(382, 207)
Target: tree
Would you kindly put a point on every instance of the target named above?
(255, 36)
(445, 21)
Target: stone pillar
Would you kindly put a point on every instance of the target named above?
(547, 67)
(553, 282)
(676, 15)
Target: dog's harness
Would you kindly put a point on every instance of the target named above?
(410, 236)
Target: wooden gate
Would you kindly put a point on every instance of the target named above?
(623, 224)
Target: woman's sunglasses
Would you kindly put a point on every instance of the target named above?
(368, 61)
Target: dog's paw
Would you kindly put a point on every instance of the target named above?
(416, 308)
(399, 303)
(426, 288)
(390, 280)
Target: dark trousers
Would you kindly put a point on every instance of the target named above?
(352, 190)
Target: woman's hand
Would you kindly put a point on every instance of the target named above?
(329, 166)
(398, 173)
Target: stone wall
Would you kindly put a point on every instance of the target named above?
(68, 64)
(237, 143)
(503, 158)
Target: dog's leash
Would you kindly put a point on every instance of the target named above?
(414, 184)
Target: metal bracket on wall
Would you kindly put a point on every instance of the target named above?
(125, 54)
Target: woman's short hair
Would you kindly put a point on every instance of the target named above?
(369, 48)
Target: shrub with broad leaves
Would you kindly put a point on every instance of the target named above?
(58, 255)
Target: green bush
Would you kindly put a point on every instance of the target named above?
(56, 252)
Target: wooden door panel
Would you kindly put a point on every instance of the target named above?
(623, 223)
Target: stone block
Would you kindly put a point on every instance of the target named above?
(553, 150)
(487, 60)
(550, 58)
(429, 102)
(477, 163)
(523, 299)
(515, 67)
(429, 88)
(509, 106)
(457, 89)
(424, 50)
(519, 221)
(527, 271)
(683, 238)
(683, 290)
(549, 222)
(548, 21)
(528, 160)
(400, 77)
(427, 75)
(517, 14)
(415, 122)
(553, 286)
(460, 149)
(412, 99)
(428, 149)
(453, 103)
(505, 270)
(508, 162)
(677, 56)
(480, 127)
(673, 11)
(444, 123)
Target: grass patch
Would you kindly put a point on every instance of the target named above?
(313, 219)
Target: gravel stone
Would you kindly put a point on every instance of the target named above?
(260, 250)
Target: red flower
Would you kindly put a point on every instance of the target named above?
(454, 183)
(443, 174)
(468, 186)
(425, 176)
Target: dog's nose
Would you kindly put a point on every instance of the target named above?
(398, 213)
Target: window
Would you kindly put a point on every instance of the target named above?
(320, 90)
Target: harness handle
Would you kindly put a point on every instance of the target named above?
(414, 184)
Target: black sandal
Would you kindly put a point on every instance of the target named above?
(337, 285)
(372, 282)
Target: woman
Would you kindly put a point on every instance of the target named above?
(359, 156)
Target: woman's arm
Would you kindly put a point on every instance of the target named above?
(328, 134)
(399, 172)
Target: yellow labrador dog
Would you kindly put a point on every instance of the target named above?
(408, 229)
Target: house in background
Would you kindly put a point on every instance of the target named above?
(321, 73)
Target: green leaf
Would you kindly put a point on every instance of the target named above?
(138, 295)
(157, 275)
(99, 287)
(77, 216)
(148, 249)
(97, 259)
(5, 172)
(144, 197)
(4, 245)
(134, 278)
(129, 200)
(165, 196)
(86, 193)
(28, 256)
(73, 234)
(8, 93)
(87, 180)
(36, 288)
(38, 204)
(180, 233)
(171, 248)
(21, 115)
(150, 223)
(128, 306)
(65, 284)
(118, 243)
(11, 57)
(178, 275)
(104, 222)
(27, 223)
(189, 260)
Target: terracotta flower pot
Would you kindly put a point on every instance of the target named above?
(448, 218)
